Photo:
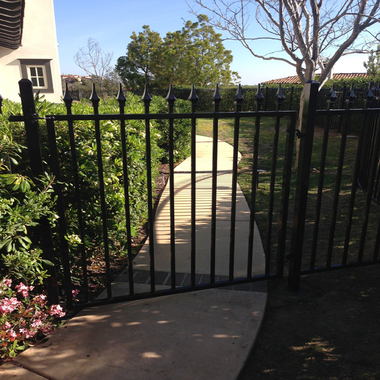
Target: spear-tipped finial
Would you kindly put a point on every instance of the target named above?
(67, 98)
(94, 97)
(216, 96)
(332, 95)
(170, 96)
(280, 96)
(120, 96)
(259, 96)
(352, 95)
(239, 98)
(370, 95)
(193, 97)
(146, 98)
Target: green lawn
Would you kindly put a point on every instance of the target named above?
(265, 153)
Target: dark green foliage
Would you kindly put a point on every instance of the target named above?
(86, 151)
(373, 64)
(14, 156)
(193, 55)
(22, 203)
(361, 83)
(182, 129)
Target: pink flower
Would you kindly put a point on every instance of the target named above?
(7, 305)
(36, 324)
(6, 282)
(56, 310)
(23, 289)
(12, 334)
(40, 297)
(26, 334)
(75, 292)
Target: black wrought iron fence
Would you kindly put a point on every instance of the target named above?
(324, 192)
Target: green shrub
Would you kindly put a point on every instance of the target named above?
(111, 148)
(181, 129)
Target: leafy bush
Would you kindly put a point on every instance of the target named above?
(87, 164)
(86, 151)
(23, 317)
(22, 205)
(358, 83)
(181, 130)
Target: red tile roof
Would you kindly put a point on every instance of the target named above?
(295, 80)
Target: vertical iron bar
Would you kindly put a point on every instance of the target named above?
(217, 99)
(194, 100)
(259, 99)
(303, 174)
(287, 175)
(68, 103)
(64, 249)
(146, 98)
(170, 100)
(238, 102)
(337, 184)
(95, 103)
(122, 100)
(377, 244)
(321, 181)
(280, 100)
(36, 164)
(354, 181)
(371, 180)
(342, 103)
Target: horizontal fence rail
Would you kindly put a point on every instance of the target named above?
(293, 193)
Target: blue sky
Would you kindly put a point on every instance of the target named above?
(112, 22)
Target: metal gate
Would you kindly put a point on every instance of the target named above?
(289, 200)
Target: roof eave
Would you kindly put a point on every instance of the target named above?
(11, 23)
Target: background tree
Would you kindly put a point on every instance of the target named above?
(193, 55)
(142, 61)
(373, 64)
(313, 34)
(94, 61)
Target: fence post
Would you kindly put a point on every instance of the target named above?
(36, 164)
(306, 135)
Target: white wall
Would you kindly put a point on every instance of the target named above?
(39, 41)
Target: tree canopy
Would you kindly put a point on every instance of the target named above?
(310, 35)
(193, 55)
(373, 63)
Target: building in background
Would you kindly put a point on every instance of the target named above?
(295, 80)
(28, 48)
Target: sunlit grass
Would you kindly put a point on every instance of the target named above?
(246, 138)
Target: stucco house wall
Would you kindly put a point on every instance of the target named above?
(37, 55)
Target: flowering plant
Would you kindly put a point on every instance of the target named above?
(23, 317)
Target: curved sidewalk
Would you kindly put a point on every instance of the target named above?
(200, 335)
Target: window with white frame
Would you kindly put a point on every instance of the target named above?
(38, 71)
(37, 76)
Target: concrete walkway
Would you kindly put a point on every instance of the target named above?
(200, 335)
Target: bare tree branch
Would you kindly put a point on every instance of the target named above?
(94, 61)
(313, 33)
